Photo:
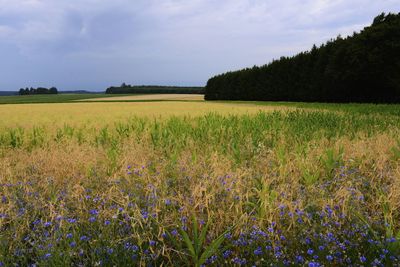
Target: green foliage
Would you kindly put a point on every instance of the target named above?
(198, 251)
(16, 137)
(309, 177)
(332, 159)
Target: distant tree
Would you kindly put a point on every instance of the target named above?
(39, 90)
(53, 90)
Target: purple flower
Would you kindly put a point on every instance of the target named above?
(363, 259)
(145, 214)
(93, 212)
(226, 254)
(84, 238)
(174, 232)
(258, 251)
(299, 259)
(71, 220)
(228, 235)
(239, 261)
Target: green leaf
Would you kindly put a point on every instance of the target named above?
(195, 235)
(203, 235)
(212, 248)
(189, 244)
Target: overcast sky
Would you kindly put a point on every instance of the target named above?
(92, 44)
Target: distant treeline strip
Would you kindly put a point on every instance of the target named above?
(149, 89)
(38, 91)
(364, 67)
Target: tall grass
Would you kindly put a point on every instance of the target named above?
(278, 188)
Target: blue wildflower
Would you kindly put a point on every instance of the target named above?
(226, 253)
(84, 238)
(299, 259)
(93, 212)
(258, 251)
(363, 259)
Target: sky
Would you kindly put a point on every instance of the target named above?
(93, 44)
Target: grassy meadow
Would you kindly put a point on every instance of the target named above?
(60, 98)
(199, 184)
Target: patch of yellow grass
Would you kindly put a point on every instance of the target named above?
(100, 114)
(149, 97)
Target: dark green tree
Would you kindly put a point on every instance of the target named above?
(364, 67)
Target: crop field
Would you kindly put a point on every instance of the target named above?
(199, 183)
(17, 99)
(149, 97)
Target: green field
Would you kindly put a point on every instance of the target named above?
(199, 183)
(60, 98)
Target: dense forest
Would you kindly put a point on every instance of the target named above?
(364, 67)
(38, 91)
(153, 89)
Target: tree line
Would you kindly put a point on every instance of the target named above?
(38, 91)
(364, 67)
(153, 89)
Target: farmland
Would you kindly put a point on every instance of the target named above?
(199, 183)
(27, 99)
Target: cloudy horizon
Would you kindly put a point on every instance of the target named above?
(92, 44)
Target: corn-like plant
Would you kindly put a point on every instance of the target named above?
(197, 247)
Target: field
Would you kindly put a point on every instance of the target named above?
(197, 183)
(150, 97)
(61, 98)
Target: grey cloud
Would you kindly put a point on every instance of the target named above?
(90, 44)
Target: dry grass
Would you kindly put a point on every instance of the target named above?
(100, 114)
(191, 97)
